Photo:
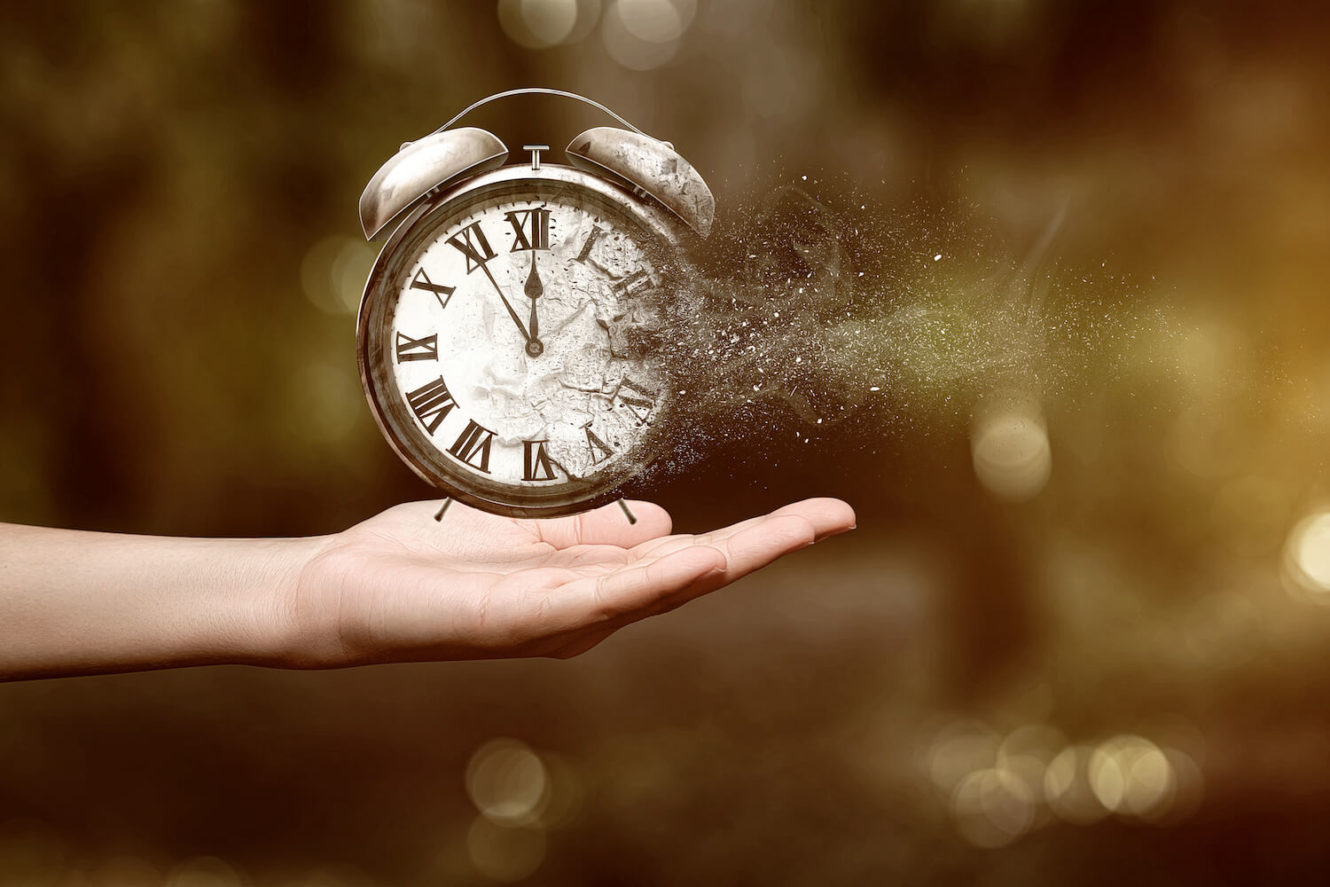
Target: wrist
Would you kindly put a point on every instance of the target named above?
(261, 625)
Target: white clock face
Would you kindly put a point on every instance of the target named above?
(507, 346)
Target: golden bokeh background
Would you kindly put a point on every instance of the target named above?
(1082, 633)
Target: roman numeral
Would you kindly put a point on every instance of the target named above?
(417, 349)
(596, 233)
(472, 244)
(431, 403)
(422, 282)
(536, 463)
(472, 442)
(632, 284)
(531, 229)
(639, 401)
(596, 448)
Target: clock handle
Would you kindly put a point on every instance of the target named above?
(629, 157)
(537, 90)
(640, 162)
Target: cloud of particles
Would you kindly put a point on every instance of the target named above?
(806, 320)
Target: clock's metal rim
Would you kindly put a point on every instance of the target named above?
(651, 219)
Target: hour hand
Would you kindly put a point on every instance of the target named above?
(534, 290)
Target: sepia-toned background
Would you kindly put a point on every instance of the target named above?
(1082, 633)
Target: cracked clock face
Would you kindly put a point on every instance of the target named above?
(506, 344)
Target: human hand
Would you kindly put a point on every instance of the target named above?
(401, 586)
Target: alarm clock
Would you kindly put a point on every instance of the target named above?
(510, 332)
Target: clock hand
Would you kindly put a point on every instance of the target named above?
(534, 290)
(569, 319)
(511, 312)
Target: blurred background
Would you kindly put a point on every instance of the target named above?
(1083, 630)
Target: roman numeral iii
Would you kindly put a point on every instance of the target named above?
(632, 284)
(531, 229)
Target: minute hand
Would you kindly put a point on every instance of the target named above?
(511, 313)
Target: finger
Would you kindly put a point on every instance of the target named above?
(657, 584)
(754, 545)
(607, 525)
(829, 517)
(758, 543)
(666, 575)
(670, 572)
(585, 639)
(633, 590)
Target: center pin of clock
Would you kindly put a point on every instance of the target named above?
(534, 290)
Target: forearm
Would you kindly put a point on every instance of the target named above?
(79, 603)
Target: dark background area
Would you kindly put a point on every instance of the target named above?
(1081, 632)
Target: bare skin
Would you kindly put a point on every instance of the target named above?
(397, 587)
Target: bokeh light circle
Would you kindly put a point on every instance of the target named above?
(507, 782)
(993, 807)
(537, 24)
(1307, 556)
(1131, 775)
(656, 21)
(627, 20)
(1067, 787)
(333, 273)
(1012, 458)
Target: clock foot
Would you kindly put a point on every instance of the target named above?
(446, 502)
(632, 518)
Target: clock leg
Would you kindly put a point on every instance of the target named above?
(447, 500)
(632, 518)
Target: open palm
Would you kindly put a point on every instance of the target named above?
(401, 586)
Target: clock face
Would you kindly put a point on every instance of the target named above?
(506, 343)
